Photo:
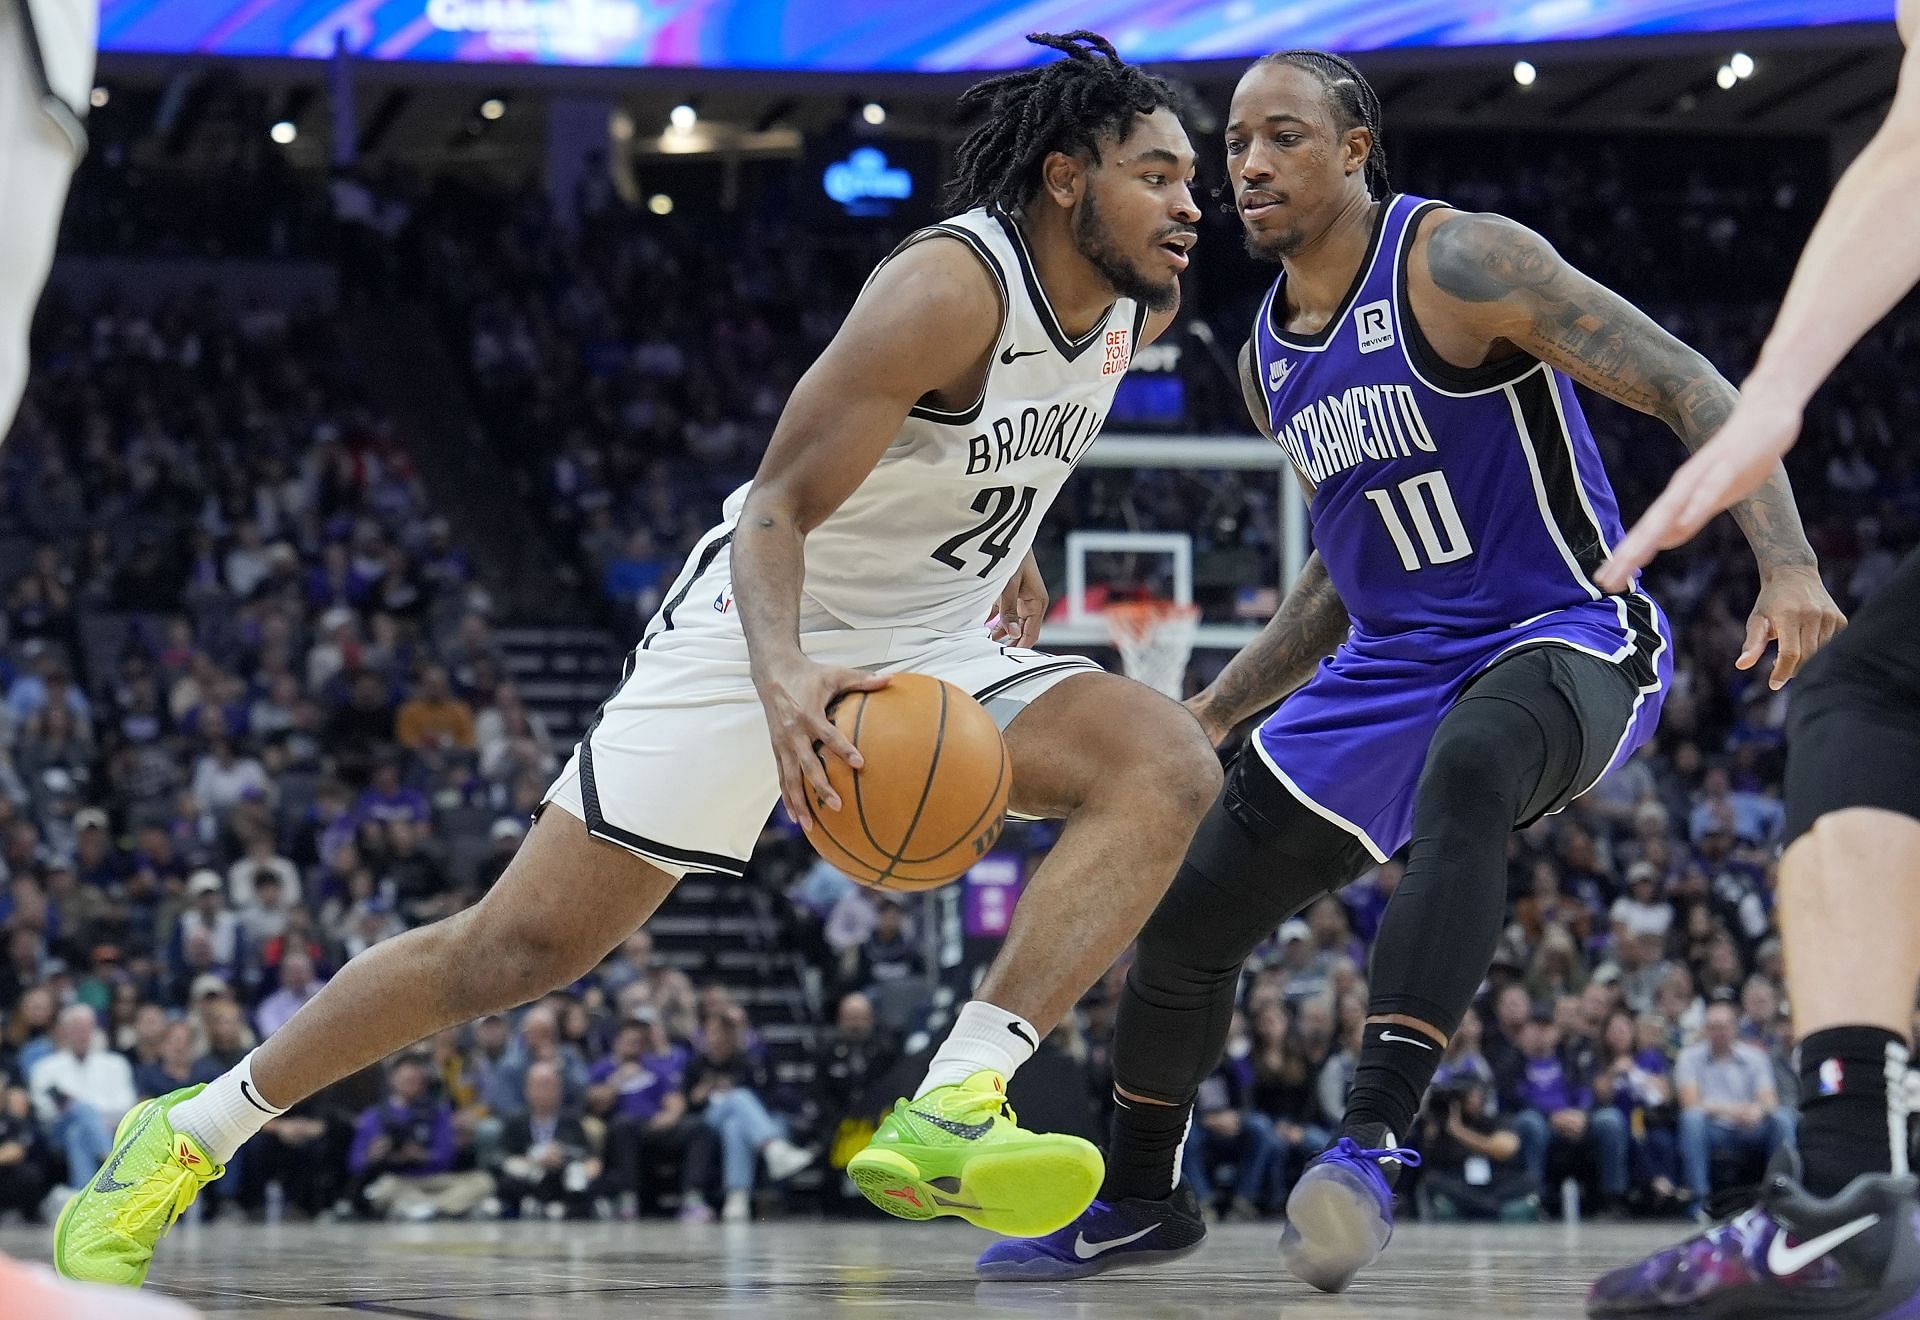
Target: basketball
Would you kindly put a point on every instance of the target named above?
(932, 795)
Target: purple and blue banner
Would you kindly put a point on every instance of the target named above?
(907, 35)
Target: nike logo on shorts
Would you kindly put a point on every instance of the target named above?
(965, 1131)
(1086, 1250)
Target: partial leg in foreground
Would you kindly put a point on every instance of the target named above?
(565, 900)
(1132, 774)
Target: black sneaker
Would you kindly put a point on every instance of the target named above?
(1107, 1236)
(1854, 1257)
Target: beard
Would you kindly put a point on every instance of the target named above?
(1273, 247)
(1092, 240)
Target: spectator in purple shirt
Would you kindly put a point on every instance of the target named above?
(638, 1091)
(1553, 1110)
(387, 799)
(402, 1153)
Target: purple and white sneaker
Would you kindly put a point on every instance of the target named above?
(1106, 1236)
(1854, 1257)
(1340, 1215)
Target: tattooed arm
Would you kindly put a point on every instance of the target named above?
(1310, 623)
(1497, 283)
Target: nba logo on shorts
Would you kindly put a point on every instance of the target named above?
(1375, 322)
(1831, 1075)
(724, 601)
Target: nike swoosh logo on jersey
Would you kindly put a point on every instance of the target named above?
(1784, 1260)
(1008, 356)
(105, 1182)
(965, 1131)
(1086, 1250)
(1407, 1040)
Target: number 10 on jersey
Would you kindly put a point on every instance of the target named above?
(1442, 536)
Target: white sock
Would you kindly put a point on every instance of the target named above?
(225, 1115)
(983, 1036)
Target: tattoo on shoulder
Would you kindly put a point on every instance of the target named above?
(1483, 258)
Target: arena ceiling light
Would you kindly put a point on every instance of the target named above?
(683, 117)
(874, 113)
(493, 108)
(1727, 78)
(660, 204)
(99, 98)
(284, 132)
(1525, 74)
(1742, 65)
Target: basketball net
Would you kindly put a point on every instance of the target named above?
(1154, 638)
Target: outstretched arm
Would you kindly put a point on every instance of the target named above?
(1835, 298)
(1501, 281)
(1309, 624)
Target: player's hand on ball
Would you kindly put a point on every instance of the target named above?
(1794, 610)
(796, 695)
(1023, 606)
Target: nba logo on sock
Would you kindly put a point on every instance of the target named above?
(1831, 1075)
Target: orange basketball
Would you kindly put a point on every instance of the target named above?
(932, 795)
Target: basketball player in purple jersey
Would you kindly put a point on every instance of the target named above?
(1835, 1231)
(1417, 365)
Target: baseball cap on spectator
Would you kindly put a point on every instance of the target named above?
(208, 983)
(646, 1013)
(205, 882)
(1294, 929)
(1642, 873)
(89, 818)
(337, 617)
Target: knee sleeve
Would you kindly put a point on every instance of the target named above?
(1490, 762)
(1254, 862)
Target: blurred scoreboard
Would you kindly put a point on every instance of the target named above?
(903, 35)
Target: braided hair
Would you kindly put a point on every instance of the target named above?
(1354, 100)
(1064, 105)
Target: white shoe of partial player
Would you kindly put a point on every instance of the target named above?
(28, 1292)
(738, 1208)
(784, 1159)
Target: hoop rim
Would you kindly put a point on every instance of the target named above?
(1135, 620)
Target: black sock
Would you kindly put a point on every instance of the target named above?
(1849, 1125)
(1143, 1158)
(1396, 1064)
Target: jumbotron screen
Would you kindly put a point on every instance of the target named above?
(910, 35)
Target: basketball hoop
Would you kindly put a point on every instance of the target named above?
(1154, 638)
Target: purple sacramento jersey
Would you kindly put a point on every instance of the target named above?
(1460, 512)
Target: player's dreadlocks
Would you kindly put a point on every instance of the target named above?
(1354, 96)
(1065, 105)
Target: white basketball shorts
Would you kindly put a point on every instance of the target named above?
(678, 767)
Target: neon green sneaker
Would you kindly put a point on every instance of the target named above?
(107, 1232)
(959, 1150)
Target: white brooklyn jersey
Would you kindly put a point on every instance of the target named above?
(932, 535)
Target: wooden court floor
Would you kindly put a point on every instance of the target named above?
(817, 1270)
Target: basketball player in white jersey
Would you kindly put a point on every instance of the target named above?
(46, 76)
(892, 515)
(1835, 1231)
